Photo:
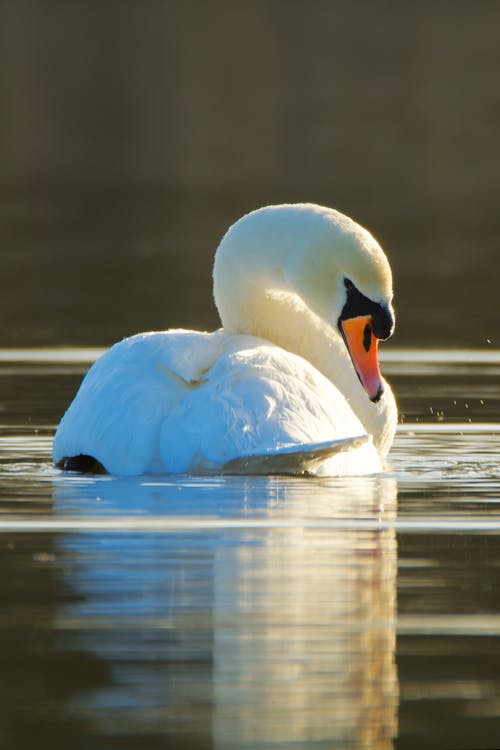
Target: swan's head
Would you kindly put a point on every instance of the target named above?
(332, 264)
(344, 276)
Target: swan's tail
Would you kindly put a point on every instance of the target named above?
(292, 459)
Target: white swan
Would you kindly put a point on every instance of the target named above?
(288, 384)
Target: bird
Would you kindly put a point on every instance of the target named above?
(290, 383)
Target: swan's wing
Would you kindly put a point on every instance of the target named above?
(118, 411)
(294, 459)
(262, 409)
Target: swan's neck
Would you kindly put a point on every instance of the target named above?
(254, 289)
(282, 317)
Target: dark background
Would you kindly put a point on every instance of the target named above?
(133, 133)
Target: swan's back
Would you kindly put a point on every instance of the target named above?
(181, 401)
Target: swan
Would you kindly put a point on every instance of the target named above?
(289, 384)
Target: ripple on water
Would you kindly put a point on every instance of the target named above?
(250, 612)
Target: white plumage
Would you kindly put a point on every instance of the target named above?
(276, 380)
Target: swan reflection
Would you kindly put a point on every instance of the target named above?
(243, 637)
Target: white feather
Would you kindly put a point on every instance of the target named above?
(276, 380)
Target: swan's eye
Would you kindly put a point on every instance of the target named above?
(348, 284)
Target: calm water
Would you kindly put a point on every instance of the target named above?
(255, 612)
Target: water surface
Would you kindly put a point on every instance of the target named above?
(243, 612)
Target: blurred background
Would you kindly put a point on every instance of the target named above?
(133, 133)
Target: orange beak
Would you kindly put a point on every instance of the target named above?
(362, 346)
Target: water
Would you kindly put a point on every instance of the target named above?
(273, 612)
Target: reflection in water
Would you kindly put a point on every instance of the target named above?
(240, 638)
(304, 626)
